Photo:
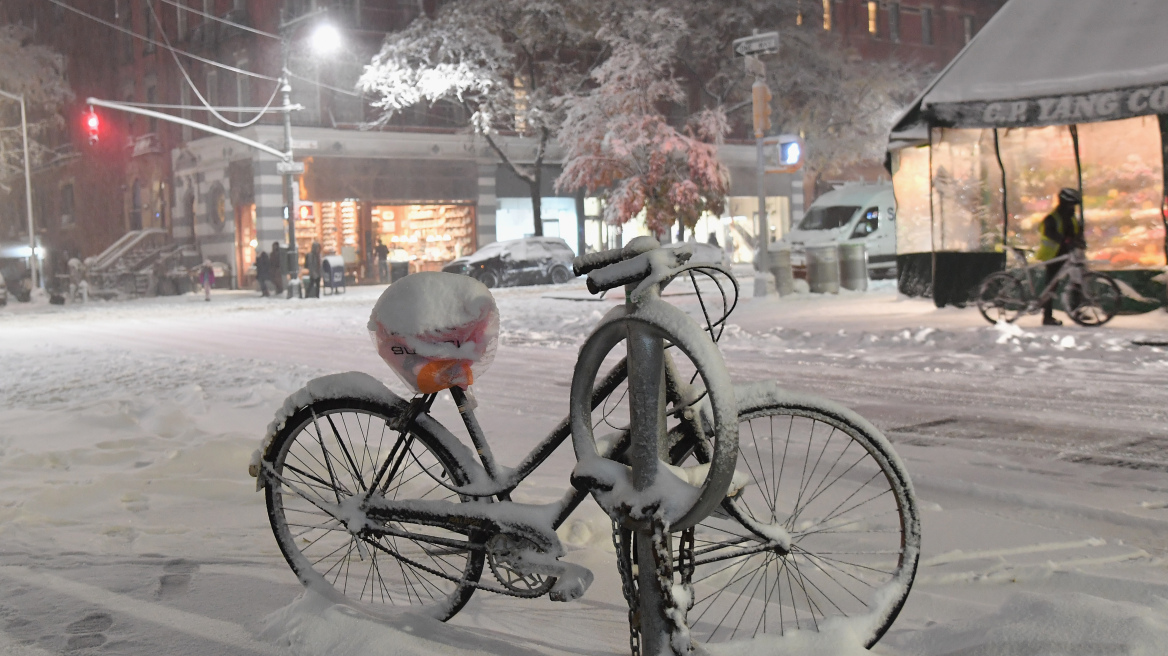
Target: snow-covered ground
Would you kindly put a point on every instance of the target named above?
(129, 525)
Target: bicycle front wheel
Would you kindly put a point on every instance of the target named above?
(1001, 297)
(1096, 302)
(824, 525)
(325, 456)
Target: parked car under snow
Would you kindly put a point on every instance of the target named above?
(528, 261)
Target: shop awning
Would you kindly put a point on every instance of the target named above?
(1050, 62)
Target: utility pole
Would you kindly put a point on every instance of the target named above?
(761, 97)
(751, 48)
(290, 190)
(33, 260)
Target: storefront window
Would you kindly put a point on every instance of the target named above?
(910, 184)
(427, 235)
(1038, 162)
(1122, 187)
(514, 220)
(967, 200)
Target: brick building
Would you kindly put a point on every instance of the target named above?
(422, 184)
(923, 32)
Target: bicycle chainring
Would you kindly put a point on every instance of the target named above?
(514, 581)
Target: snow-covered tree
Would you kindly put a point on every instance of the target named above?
(621, 146)
(507, 63)
(842, 104)
(37, 73)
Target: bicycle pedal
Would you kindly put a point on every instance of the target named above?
(571, 583)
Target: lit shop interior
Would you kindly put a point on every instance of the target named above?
(425, 235)
(950, 195)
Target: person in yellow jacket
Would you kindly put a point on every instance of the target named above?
(1061, 232)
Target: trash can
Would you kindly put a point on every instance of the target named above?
(293, 288)
(332, 273)
(398, 270)
(780, 262)
(823, 272)
(853, 266)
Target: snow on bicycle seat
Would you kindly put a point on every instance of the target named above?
(436, 330)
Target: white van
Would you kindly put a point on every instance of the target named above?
(854, 212)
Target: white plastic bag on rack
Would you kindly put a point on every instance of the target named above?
(436, 330)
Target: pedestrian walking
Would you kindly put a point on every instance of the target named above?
(1062, 232)
(263, 273)
(276, 261)
(312, 262)
(207, 278)
(382, 261)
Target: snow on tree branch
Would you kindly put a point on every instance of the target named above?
(508, 63)
(621, 147)
(37, 73)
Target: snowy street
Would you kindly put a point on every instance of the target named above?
(129, 524)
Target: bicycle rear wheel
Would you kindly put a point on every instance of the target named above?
(1097, 301)
(827, 483)
(1001, 297)
(326, 455)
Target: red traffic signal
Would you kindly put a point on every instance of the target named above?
(92, 127)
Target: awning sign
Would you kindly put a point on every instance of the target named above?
(1053, 110)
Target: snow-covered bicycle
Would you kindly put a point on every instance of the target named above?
(782, 510)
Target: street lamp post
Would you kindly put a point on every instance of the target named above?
(32, 247)
(289, 176)
(326, 38)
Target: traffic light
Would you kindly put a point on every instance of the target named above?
(760, 94)
(790, 152)
(92, 127)
(783, 154)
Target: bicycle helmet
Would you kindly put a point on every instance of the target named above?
(436, 330)
(1068, 196)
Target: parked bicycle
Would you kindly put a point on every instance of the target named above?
(792, 510)
(1090, 298)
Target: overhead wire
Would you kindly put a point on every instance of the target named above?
(119, 28)
(209, 62)
(235, 124)
(246, 28)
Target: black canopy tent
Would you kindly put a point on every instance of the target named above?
(1050, 93)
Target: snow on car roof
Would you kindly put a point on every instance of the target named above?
(852, 195)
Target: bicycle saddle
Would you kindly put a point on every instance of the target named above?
(436, 330)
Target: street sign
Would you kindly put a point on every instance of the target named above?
(757, 44)
(294, 168)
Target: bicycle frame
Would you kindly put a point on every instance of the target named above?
(506, 480)
(1077, 263)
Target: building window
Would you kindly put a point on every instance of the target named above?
(894, 21)
(799, 12)
(151, 98)
(926, 26)
(127, 40)
(67, 204)
(967, 28)
(242, 89)
(180, 13)
(212, 94)
(827, 15)
(184, 99)
(148, 15)
(872, 18)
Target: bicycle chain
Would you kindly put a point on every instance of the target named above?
(685, 567)
(628, 588)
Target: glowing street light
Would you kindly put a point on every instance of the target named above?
(325, 39)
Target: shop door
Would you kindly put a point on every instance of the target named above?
(245, 245)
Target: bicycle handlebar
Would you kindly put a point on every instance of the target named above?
(591, 261)
(618, 274)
